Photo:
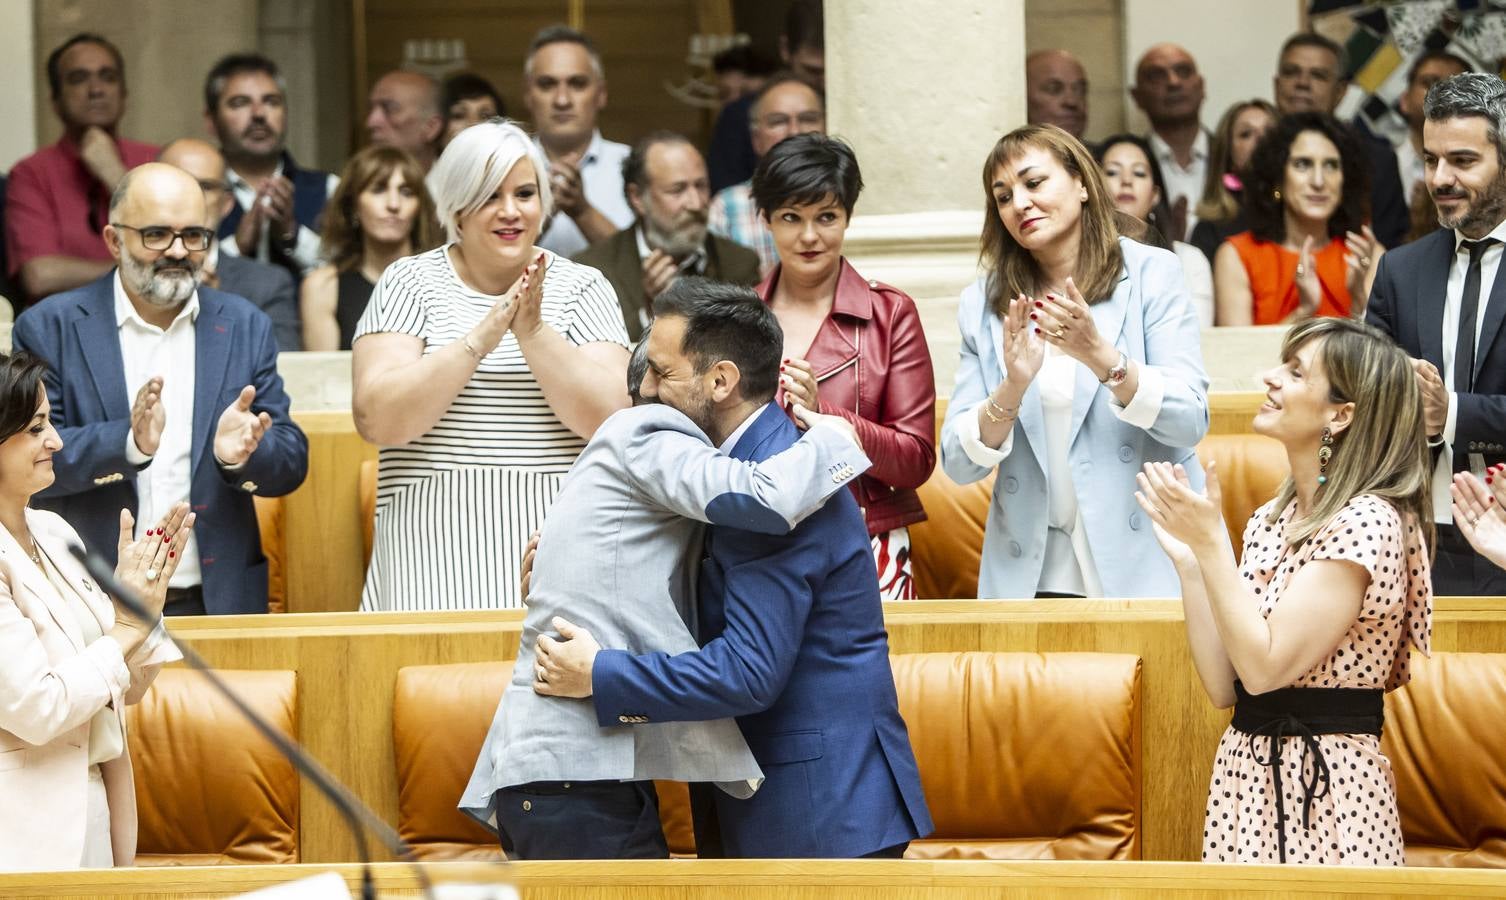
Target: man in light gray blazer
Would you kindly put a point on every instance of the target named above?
(616, 556)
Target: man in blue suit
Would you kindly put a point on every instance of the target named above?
(209, 420)
(792, 629)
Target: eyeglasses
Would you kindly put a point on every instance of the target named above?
(160, 237)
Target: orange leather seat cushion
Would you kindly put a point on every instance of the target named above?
(947, 548)
(1025, 755)
(270, 513)
(209, 788)
(1442, 737)
(440, 716)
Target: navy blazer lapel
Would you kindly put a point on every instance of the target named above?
(214, 334)
(99, 341)
(1495, 311)
(764, 427)
(1432, 285)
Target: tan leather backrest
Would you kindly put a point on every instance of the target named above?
(1025, 755)
(1443, 738)
(366, 489)
(945, 550)
(440, 715)
(270, 513)
(209, 788)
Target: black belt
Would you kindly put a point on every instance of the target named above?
(1304, 713)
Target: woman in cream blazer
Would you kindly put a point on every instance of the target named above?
(69, 660)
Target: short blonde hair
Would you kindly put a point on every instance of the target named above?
(476, 162)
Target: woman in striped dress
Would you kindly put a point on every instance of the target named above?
(480, 369)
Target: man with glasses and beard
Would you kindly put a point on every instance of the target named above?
(664, 178)
(1442, 299)
(164, 391)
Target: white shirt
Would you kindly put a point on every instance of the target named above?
(306, 243)
(1410, 165)
(1183, 182)
(601, 180)
(1068, 566)
(1453, 299)
(148, 351)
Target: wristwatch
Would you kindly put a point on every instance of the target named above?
(1117, 372)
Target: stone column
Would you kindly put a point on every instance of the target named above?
(922, 93)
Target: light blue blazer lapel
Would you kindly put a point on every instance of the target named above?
(214, 335)
(1032, 419)
(99, 342)
(1108, 318)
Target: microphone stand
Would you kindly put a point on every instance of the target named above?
(355, 813)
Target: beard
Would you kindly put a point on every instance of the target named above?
(164, 282)
(1482, 213)
(681, 237)
(698, 408)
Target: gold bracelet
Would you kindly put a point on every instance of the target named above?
(475, 354)
(989, 405)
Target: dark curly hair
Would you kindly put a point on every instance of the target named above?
(1268, 173)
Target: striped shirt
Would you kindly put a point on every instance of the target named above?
(734, 216)
(456, 505)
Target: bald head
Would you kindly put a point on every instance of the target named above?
(204, 162)
(1168, 86)
(405, 113)
(1056, 91)
(159, 192)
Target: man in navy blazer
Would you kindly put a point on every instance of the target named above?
(142, 331)
(792, 629)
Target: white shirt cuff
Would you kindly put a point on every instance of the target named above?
(306, 248)
(134, 456)
(228, 246)
(969, 435)
(1451, 421)
(1145, 407)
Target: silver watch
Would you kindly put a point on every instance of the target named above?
(1117, 372)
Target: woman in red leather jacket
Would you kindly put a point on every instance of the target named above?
(853, 347)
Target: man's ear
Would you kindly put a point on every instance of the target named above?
(112, 241)
(725, 380)
(635, 200)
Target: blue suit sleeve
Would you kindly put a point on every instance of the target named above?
(968, 390)
(769, 594)
(1173, 345)
(280, 461)
(91, 451)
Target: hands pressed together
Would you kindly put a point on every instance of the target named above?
(272, 205)
(517, 311)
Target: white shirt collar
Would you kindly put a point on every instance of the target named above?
(1498, 232)
(593, 149)
(737, 433)
(125, 311)
(1163, 149)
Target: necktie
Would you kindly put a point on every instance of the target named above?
(1469, 309)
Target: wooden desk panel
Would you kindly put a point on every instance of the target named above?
(348, 662)
(796, 880)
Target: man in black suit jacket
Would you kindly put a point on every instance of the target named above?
(664, 178)
(1443, 299)
(1310, 78)
(270, 288)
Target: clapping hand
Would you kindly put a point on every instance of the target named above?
(659, 272)
(240, 430)
(1362, 258)
(146, 566)
(1309, 289)
(1023, 351)
(1478, 514)
(565, 183)
(1067, 323)
(148, 416)
(528, 299)
(1186, 517)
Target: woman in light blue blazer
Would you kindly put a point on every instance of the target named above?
(1080, 362)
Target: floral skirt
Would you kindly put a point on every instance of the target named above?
(891, 553)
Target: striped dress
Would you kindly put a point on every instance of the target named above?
(455, 506)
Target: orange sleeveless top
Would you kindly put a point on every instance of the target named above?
(1273, 277)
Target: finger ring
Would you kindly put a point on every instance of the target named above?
(1058, 333)
(151, 574)
(541, 676)
(1365, 262)
(1301, 270)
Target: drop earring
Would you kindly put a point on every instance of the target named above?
(1276, 194)
(1325, 453)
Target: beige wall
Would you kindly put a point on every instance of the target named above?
(168, 46)
(1092, 30)
(1235, 49)
(18, 99)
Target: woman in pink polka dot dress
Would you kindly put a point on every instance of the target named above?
(1305, 634)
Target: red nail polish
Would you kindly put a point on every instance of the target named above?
(1032, 315)
(1037, 331)
(171, 554)
(1488, 479)
(1039, 304)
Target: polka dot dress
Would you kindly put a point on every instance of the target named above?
(1356, 821)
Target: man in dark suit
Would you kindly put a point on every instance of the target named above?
(792, 630)
(209, 419)
(270, 288)
(1442, 298)
(1310, 78)
(664, 178)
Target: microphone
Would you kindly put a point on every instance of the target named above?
(355, 813)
